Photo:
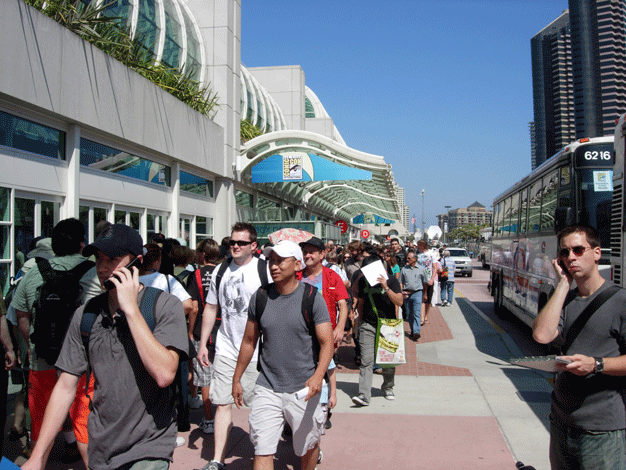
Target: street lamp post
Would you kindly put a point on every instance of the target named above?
(423, 214)
(446, 224)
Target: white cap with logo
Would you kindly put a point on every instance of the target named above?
(285, 249)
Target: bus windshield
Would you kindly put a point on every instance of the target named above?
(596, 191)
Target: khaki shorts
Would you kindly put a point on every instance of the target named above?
(269, 413)
(201, 374)
(222, 372)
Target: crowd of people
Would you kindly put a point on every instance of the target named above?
(184, 328)
(111, 350)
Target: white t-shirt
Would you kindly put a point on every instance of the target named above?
(160, 281)
(236, 287)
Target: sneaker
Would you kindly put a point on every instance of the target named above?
(207, 426)
(328, 424)
(389, 395)
(360, 400)
(320, 456)
(196, 402)
(416, 336)
(213, 465)
(180, 441)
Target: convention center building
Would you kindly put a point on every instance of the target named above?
(82, 135)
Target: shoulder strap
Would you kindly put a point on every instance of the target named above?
(92, 310)
(220, 273)
(308, 299)
(582, 319)
(262, 267)
(200, 288)
(262, 294)
(146, 306)
(45, 269)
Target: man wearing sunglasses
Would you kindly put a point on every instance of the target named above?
(237, 283)
(587, 418)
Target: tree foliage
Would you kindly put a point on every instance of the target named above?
(110, 35)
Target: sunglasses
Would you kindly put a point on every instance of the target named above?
(239, 243)
(577, 250)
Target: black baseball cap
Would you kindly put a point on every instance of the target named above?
(116, 240)
(314, 241)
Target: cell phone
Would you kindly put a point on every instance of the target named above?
(562, 264)
(108, 284)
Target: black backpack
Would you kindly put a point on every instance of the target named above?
(57, 299)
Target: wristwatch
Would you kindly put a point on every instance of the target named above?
(599, 366)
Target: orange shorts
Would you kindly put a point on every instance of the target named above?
(41, 384)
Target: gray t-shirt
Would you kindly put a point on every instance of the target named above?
(133, 418)
(593, 402)
(286, 359)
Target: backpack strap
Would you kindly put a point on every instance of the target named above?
(198, 276)
(582, 319)
(220, 274)
(262, 267)
(49, 274)
(92, 310)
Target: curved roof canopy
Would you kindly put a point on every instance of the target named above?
(339, 199)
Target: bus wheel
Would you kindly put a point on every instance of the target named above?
(497, 296)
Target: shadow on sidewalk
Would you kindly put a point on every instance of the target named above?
(532, 386)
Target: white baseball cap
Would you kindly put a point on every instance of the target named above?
(285, 249)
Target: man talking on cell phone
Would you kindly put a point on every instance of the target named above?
(587, 417)
(135, 340)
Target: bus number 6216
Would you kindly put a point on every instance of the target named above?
(595, 155)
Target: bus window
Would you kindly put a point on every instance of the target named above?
(566, 177)
(506, 219)
(496, 220)
(524, 211)
(534, 207)
(548, 201)
(515, 212)
(596, 192)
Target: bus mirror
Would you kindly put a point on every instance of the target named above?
(563, 217)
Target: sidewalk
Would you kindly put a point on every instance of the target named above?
(459, 404)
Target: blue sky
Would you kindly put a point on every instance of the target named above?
(442, 89)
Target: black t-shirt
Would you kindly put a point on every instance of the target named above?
(401, 258)
(385, 307)
(206, 273)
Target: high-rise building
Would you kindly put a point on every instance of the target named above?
(552, 89)
(579, 74)
(533, 145)
(599, 64)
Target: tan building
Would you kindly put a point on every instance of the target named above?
(476, 214)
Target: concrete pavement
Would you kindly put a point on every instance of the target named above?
(459, 404)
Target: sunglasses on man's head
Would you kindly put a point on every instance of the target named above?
(239, 242)
(577, 250)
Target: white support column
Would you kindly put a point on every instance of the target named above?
(69, 207)
(174, 222)
(219, 22)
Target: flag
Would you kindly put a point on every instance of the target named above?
(413, 221)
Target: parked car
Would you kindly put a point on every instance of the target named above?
(462, 261)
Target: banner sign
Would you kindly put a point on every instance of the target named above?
(365, 234)
(301, 166)
(371, 219)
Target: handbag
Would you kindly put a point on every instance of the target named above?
(389, 350)
(443, 273)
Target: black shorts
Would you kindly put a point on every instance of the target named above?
(428, 294)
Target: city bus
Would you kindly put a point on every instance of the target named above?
(617, 212)
(573, 186)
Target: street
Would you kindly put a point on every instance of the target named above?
(475, 289)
